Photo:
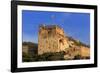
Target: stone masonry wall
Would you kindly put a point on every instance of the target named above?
(51, 39)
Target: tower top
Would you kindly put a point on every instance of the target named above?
(50, 26)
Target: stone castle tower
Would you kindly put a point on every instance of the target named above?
(51, 38)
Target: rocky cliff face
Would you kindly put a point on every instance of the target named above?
(76, 49)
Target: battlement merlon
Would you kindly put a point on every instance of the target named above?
(51, 28)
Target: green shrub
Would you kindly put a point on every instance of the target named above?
(44, 57)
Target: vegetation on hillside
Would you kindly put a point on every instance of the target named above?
(44, 57)
(56, 56)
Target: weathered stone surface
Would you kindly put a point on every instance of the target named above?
(84, 52)
(25, 49)
(51, 39)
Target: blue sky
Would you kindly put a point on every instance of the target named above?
(76, 25)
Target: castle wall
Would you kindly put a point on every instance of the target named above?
(84, 51)
(25, 49)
